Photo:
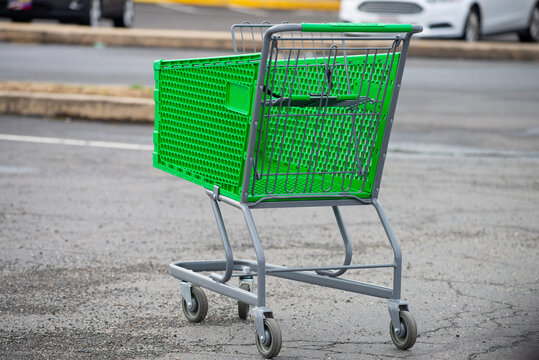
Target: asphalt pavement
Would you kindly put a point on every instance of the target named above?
(87, 233)
(88, 228)
(87, 64)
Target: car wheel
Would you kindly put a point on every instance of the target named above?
(93, 14)
(472, 28)
(531, 34)
(128, 15)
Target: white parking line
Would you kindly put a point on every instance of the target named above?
(406, 149)
(75, 142)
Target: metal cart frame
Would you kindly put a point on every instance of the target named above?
(268, 337)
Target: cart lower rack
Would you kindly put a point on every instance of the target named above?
(304, 122)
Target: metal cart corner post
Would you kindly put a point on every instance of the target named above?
(324, 122)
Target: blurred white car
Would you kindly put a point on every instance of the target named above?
(466, 19)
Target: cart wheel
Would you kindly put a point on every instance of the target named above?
(408, 331)
(271, 347)
(199, 305)
(243, 308)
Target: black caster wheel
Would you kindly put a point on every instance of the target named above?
(199, 305)
(408, 331)
(271, 347)
(243, 308)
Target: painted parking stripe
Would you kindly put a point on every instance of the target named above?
(75, 142)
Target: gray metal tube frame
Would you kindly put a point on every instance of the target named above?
(226, 244)
(188, 270)
(347, 246)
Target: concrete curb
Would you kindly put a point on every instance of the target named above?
(89, 107)
(453, 49)
(318, 5)
(83, 35)
(68, 34)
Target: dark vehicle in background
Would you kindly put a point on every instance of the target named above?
(83, 12)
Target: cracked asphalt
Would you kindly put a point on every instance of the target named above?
(87, 233)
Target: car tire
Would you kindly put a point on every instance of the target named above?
(531, 34)
(472, 26)
(93, 14)
(128, 15)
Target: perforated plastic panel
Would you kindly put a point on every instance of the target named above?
(203, 114)
(202, 128)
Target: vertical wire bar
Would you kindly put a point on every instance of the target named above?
(275, 68)
(349, 88)
(354, 118)
(379, 113)
(277, 125)
(308, 175)
(364, 120)
(261, 37)
(253, 38)
(242, 40)
(308, 116)
(265, 113)
(342, 117)
(292, 146)
(327, 158)
(320, 107)
(233, 31)
(330, 140)
(291, 87)
(323, 49)
(302, 148)
(263, 117)
(339, 144)
(315, 67)
(367, 153)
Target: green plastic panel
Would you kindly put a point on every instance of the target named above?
(202, 133)
(203, 115)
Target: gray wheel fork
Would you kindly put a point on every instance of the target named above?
(395, 307)
(259, 314)
(186, 293)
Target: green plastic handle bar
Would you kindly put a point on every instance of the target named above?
(342, 27)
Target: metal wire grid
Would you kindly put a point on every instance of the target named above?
(323, 103)
(249, 36)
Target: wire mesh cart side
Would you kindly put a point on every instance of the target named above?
(306, 122)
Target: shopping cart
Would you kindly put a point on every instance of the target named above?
(303, 123)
